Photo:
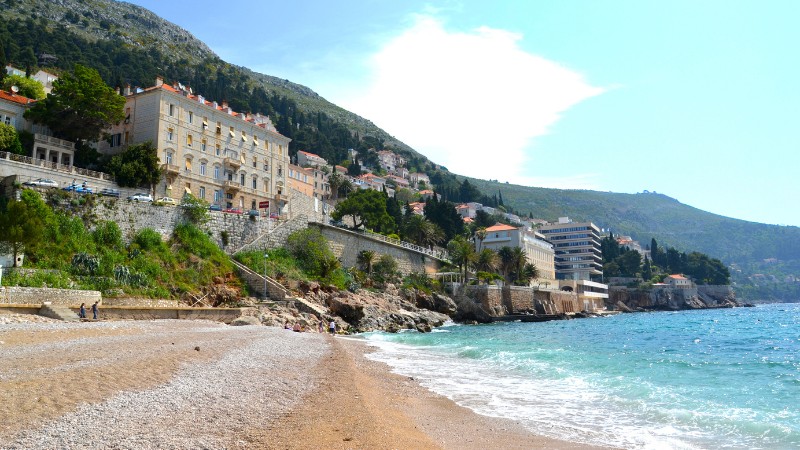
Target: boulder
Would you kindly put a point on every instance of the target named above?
(246, 320)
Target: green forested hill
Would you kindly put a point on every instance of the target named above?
(130, 45)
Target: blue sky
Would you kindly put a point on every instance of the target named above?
(695, 100)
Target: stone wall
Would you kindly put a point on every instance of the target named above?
(36, 296)
(346, 245)
(225, 315)
(499, 301)
(140, 302)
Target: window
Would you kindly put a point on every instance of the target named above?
(171, 109)
(7, 121)
(266, 167)
(232, 133)
(188, 140)
(255, 162)
(127, 137)
(205, 123)
(170, 134)
(202, 192)
(266, 185)
(241, 179)
(188, 165)
(217, 149)
(169, 158)
(280, 172)
(116, 140)
(255, 183)
(203, 145)
(216, 172)
(202, 168)
(219, 128)
(190, 117)
(217, 195)
(244, 137)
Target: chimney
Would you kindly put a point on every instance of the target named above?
(215, 104)
(127, 90)
(159, 81)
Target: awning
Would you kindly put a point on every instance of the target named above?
(188, 191)
(232, 133)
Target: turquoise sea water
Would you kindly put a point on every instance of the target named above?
(693, 379)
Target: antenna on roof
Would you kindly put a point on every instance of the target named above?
(14, 89)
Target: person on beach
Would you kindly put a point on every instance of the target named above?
(94, 310)
(82, 313)
(297, 328)
(286, 326)
(332, 327)
(320, 327)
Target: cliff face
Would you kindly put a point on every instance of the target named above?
(702, 297)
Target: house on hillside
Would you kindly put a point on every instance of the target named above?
(228, 158)
(45, 146)
(678, 281)
(416, 177)
(537, 251)
(306, 159)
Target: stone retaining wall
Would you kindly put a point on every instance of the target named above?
(346, 245)
(499, 301)
(140, 302)
(15, 295)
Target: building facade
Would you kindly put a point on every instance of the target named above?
(577, 249)
(537, 251)
(46, 148)
(229, 159)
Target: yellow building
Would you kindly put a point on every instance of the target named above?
(230, 159)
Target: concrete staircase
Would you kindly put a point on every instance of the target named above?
(58, 312)
(255, 281)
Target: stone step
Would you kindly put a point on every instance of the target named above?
(58, 312)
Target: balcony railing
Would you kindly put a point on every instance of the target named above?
(170, 168)
(232, 186)
(55, 166)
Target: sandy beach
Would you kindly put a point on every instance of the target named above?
(197, 384)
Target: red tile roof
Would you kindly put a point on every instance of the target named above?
(677, 277)
(16, 98)
(501, 227)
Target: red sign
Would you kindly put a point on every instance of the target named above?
(264, 204)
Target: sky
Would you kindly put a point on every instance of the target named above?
(695, 100)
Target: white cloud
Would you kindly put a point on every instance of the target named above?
(472, 102)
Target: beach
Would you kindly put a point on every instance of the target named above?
(199, 384)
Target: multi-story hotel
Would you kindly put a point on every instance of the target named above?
(577, 247)
(537, 251)
(230, 159)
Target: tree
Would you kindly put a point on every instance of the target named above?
(80, 106)
(462, 253)
(480, 235)
(366, 259)
(21, 224)
(28, 87)
(422, 231)
(311, 249)
(9, 140)
(365, 207)
(137, 166)
(335, 180)
(486, 261)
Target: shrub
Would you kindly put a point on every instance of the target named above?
(108, 234)
(385, 270)
(312, 252)
(148, 239)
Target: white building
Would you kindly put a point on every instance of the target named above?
(230, 159)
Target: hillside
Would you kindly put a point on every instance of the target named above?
(128, 44)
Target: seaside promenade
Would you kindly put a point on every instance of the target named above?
(199, 384)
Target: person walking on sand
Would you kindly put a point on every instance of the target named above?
(320, 327)
(332, 328)
(82, 313)
(94, 310)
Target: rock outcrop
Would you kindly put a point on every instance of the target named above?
(666, 299)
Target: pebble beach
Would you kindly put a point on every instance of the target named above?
(199, 384)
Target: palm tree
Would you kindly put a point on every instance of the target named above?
(366, 259)
(480, 234)
(506, 255)
(462, 252)
(422, 231)
(486, 261)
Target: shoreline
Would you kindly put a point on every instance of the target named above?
(197, 383)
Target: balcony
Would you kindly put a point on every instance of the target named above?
(231, 187)
(170, 169)
(232, 162)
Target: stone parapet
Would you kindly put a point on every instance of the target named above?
(16, 295)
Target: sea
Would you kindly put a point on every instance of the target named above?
(704, 379)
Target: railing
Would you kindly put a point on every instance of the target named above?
(54, 141)
(435, 253)
(170, 168)
(55, 166)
